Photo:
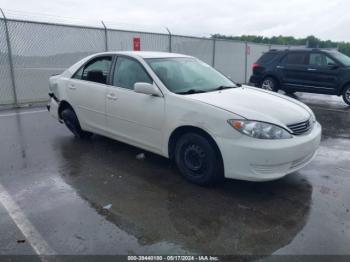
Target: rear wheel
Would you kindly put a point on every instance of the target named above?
(71, 121)
(198, 160)
(269, 84)
(346, 94)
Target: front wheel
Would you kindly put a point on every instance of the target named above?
(346, 94)
(198, 160)
(269, 84)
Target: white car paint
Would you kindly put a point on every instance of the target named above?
(148, 121)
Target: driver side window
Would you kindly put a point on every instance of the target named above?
(319, 59)
(128, 72)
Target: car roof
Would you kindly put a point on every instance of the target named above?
(145, 54)
(303, 50)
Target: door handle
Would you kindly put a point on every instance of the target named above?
(311, 69)
(280, 67)
(112, 97)
(71, 86)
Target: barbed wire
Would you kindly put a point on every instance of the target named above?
(53, 18)
(94, 22)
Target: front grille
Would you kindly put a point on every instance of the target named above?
(300, 128)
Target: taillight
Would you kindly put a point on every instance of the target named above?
(255, 66)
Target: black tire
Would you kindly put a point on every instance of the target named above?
(290, 93)
(72, 123)
(198, 160)
(346, 94)
(270, 84)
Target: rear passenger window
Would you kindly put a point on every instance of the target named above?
(96, 70)
(267, 58)
(295, 59)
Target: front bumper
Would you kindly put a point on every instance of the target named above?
(263, 160)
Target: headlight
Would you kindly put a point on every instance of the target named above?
(313, 117)
(260, 130)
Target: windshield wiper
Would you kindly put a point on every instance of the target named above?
(223, 87)
(196, 91)
(191, 91)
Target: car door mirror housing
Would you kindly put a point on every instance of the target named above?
(333, 66)
(147, 89)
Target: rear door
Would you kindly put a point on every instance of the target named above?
(293, 68)
(87, 90)
(323, 73)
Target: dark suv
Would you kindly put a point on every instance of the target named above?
(304, 70)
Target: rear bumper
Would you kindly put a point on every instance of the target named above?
(255, 80)
(263, 160)
(52, 107)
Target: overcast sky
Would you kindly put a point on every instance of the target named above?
(326, 19)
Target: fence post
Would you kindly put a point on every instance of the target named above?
(214, 50)
(106, 36)
(169, 39)
(245, 61)
(9, 50)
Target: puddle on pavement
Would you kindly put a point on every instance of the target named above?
(153, 203)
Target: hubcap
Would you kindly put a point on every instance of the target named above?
(194, 157)
(267, 85)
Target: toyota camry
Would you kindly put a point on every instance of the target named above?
(181, 108)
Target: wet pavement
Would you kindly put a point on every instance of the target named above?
(56, 186)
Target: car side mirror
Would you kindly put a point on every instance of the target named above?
(147, 89)
(333, 66)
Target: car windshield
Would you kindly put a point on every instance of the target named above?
(186, 75)
(345, 60)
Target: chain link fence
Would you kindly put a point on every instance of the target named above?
(30, 52)
(6, 86)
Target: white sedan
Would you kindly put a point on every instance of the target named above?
(181, 108)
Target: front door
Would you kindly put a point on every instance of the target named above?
(133, 117)
(322, 73)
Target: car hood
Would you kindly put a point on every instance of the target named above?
(257, 104)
